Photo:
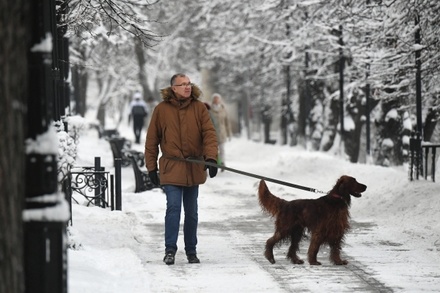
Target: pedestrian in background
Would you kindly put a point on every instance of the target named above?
(138, 111)
(182, 128)
(222, 126)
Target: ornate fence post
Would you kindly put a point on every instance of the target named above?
(112, 192)
(415, 146)
(118, 191)
(98, 189)
(46, 210)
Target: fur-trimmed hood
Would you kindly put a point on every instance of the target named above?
(167, 93)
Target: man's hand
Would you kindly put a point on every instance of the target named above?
(153, 177)
(212, 170)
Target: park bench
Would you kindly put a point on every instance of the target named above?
(104, 133)
(120, 147)
(109, 133)
(143, 181)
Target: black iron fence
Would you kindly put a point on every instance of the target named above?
(430, 159)
(97, 186)
(92, 184)
(423, 159)
(100, 188)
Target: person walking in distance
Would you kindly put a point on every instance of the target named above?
(138, 111)
(181, 126)
(222, 126)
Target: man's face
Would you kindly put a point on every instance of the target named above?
(182, 87)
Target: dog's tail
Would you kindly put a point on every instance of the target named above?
(269, 202)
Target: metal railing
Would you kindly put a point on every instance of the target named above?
(420, 153)
(97, 186)
(427, 147)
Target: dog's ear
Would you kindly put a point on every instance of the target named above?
(343, 185)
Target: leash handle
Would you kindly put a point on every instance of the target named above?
(191, 160)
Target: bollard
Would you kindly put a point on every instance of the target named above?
(98, 188)
(433, 164)
(112, 192)
(118, 196)
(415, 145)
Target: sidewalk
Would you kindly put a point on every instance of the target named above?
(231, 252)
(122, 251)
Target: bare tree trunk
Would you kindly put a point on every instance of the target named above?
(140, 55)
(389, 136)
(286, 120)
(79, 82)
(13, 91)
(207, 84)
(352, 142)
(330, 130)
(304, 99)
(353, 136)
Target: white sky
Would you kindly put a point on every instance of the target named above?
(394, 243)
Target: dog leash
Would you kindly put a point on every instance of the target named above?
(192, 160)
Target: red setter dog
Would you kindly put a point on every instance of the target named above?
(326, 218)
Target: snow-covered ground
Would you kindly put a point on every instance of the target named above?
(395, 238)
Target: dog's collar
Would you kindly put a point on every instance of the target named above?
(337, 196)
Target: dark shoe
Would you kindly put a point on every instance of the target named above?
(192, 258)
(169, 258)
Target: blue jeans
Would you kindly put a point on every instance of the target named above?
(174, 195)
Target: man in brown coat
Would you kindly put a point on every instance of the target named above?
(182, 127)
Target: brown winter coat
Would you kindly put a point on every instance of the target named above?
(182, 129)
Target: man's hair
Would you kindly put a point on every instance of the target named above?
(173, 78)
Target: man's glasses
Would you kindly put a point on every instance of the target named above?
(184, 84)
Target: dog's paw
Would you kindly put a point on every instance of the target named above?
(297, 261)
(271, 260)
(314, 263)
(341, 262)
(269, 257)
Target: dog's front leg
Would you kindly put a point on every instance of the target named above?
(335, 253)
(312, 254)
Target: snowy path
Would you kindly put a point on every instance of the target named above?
(122, 251)
(234, 247)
